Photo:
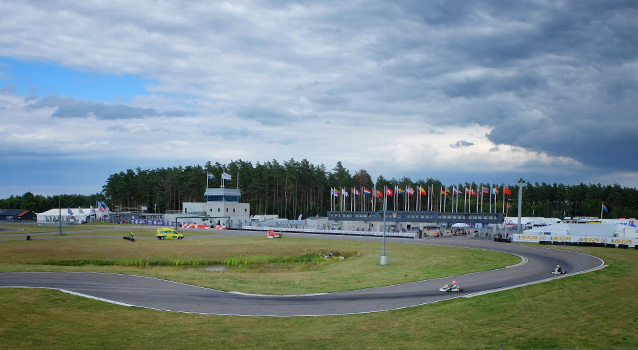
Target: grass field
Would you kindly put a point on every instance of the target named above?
(594, 310)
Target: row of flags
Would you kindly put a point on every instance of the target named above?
(100, 208)
(210, 176)
(420, 190)
(225, 176)
(429, 192)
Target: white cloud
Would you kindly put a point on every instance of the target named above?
(520, 87)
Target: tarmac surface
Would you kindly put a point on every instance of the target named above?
(152, 293)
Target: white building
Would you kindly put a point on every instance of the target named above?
(222, 207)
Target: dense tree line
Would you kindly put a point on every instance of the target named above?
(39, 203)
(294, 188)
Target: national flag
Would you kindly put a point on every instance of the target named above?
(355, 192)
(423, 192)
(472, 192)
(445, 191)
(367, 191)
(409, 190)
(400, 191)
(506, 190)
(388, 192)
(345, 193)
(103, 207)
(485, 190)
(605, 208)
(210, 176)
(379, 194)
(226, 176)
(455, 191)
(508, 206)
(334, 192)
(494, 190)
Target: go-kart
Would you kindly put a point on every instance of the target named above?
(273, 234)
(450, 288)
(558, 271)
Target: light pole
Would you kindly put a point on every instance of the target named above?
(60, 214)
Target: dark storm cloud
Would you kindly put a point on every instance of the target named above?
(67, 107)
(554, 77)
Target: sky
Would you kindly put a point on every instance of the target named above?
(457, 91)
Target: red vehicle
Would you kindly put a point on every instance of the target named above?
(273, 234)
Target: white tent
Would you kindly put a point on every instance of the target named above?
(67, 215)
(460, 225)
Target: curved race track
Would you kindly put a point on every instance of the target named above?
(152, 293)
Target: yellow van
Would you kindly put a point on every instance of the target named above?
(168, 233)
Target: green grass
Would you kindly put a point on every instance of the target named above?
(590, 311)
(13, 228)
(282, 266)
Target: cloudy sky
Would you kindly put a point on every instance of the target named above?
(487, 91)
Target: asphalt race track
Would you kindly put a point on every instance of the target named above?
(536, 264)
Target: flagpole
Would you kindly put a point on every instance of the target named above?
(394, 199)
(453, 197)
(384, 259)
(465, 200)
(431, 201)
(504, 200)
(491, 190)
(332, 195)
(406, 199)
(447, 190)
(374, 199)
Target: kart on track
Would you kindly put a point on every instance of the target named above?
(449, 288)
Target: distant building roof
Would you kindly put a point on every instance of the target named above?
(13, 212)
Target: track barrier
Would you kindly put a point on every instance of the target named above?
(607, 242)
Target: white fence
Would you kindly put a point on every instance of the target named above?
(538, 238)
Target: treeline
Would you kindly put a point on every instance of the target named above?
(39, 203)
(294, 188)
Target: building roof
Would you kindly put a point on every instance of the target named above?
(13, 212)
